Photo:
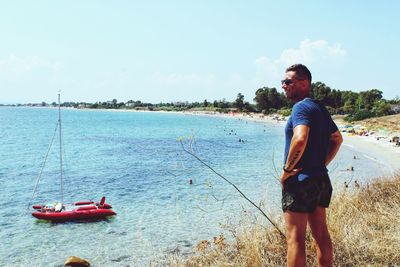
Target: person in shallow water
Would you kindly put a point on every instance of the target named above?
(312, 141)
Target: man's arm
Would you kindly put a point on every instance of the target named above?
(335, 142)
(297, 146)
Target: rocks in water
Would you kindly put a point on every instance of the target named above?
(76, 262)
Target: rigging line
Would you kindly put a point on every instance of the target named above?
(65, 159)
(61, 155)
(43, 164)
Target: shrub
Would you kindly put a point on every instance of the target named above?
(285, 112)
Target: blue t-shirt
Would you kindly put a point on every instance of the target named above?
(314, 115)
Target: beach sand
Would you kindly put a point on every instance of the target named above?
(379, 150)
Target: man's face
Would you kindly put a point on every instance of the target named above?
(292, 86)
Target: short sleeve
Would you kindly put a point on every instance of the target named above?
(301, 115)
(332, 126)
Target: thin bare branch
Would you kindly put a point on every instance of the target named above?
(229, 182)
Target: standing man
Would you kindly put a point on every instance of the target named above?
(312, 141)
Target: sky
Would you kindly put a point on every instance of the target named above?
(167, 51)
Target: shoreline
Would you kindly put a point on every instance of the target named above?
(374, 148)
(380, 150)
(377, 149)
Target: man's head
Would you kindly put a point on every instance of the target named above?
(297, 82)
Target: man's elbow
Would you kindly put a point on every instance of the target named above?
(301, 140)
(337, 139)
(340, 139)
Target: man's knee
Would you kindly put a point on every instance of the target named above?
(296, 239)
(322, 237)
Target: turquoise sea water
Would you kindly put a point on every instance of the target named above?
(135, 160)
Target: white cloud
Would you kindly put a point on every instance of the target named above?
(195, 86)
(15, 64)
(310, 53)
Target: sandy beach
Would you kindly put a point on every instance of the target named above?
(377, 149)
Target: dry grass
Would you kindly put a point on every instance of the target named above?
(364, 224)
(390, 123)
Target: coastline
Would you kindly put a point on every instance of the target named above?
(374, 148)
(377, 149)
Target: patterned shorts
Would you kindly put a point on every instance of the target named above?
(306, 195)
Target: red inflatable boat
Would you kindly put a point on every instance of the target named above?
(84, 210)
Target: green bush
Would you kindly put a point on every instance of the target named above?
(285, 112)
(359, 115)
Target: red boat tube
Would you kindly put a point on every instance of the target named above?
(83, 210)
(80, 203)
(77, 214)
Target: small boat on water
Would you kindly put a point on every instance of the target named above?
(83, 210)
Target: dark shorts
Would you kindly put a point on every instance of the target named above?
(306, 195)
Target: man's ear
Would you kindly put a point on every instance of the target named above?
(305, 84)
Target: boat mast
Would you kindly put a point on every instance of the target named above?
(61, 164)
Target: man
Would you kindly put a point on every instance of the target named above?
(312, 141)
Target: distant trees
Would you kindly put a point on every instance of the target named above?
(366, 104)
(356, 106)
(349, 100)
(239, 102)
(268, 99)
(114, 103)
(381, 108)
(325, 95)
(367, 99)
(322, 93)
(243, 105)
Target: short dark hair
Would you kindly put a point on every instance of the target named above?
(302, 71)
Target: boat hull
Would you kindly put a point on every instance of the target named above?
(77, 214)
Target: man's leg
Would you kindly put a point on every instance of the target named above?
(296, 224)
(319, 229)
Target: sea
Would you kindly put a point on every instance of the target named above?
(166, 199)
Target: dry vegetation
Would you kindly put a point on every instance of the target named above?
(391, 123)
(364, 223)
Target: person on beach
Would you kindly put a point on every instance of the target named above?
(312, 141)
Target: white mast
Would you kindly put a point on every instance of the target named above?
(61, 164)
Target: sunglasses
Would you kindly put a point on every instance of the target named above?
(290, 81)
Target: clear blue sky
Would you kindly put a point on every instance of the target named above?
(166, 51)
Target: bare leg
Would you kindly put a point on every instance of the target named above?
(296, 225)
(319, 229)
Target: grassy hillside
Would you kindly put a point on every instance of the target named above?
(364, 223)
(390, 123)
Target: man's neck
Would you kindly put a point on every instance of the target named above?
(301, 98)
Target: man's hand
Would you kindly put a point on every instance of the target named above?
(286, 175)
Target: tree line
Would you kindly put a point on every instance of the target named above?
(356, 106)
